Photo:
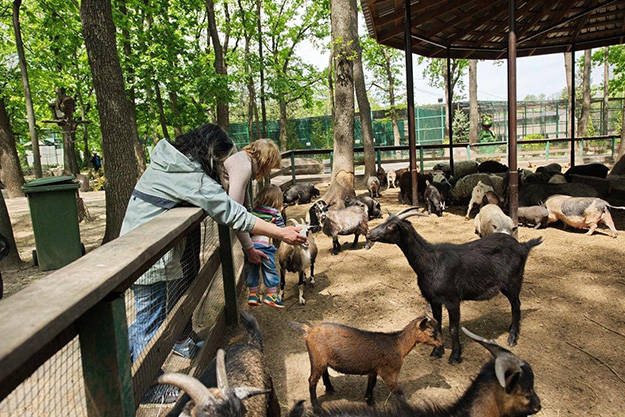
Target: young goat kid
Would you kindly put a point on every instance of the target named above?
(346, 221)
(359, 352)
(504, 387)
(450, 273)
(298, 259)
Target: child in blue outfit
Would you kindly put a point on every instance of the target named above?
(267, 207)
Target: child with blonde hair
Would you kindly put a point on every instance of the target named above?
(268, 204)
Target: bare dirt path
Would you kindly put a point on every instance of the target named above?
(570, 280)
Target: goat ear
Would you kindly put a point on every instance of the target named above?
(424, 324)
(222, 377)
(246, 392)
(512, 381)
(293, 222)
(428, 311)
(491, 345)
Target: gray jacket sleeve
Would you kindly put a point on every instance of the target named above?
(221, 208)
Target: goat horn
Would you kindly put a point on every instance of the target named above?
(506, 363)
(194, 388)
(428, 310)
(390, 214)
(406, 210)
(247, 392)
(222, 377)
(491, 345)
(293, 221)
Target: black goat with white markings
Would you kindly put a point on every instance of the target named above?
(450, 273)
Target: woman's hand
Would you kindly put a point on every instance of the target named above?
(291, 236)
(255, 256)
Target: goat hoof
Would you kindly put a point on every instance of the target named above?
(438, 352)
(330, 391)
(335, 252)
(512, 339)
(311, 282)
(454, 359)
(302, 301)
(370, 402)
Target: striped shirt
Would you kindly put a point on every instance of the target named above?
(269, 214)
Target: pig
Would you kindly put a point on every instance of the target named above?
(433, 199)
(477, 195)
(490, 198)
(557, 179)
(381, 174)
(492, 167)
(491, 219)
(581, 212)
(591, 170)
(398, 175)
(373, 207)
(373, 185)
(536, 215)
(300, 194)
(391, 178)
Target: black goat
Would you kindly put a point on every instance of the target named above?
(450, 273)
(504, 387)
(245, 366)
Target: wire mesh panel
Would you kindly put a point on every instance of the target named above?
(55, 389)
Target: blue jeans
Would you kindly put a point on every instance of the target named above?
(270, 271)
(152, 303)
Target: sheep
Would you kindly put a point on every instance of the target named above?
(222, 402)
(373, 185)
(450, 273)
(346, 221)
(359, 352)
(503, 387)
(245, 366)
(298, 259)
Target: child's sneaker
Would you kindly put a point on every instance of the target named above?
(253, 300)
(273, 300)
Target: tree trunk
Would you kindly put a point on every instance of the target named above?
(569, 85)
(161, 109)
(251, 90)
(30, 112)
(343, 20)
(70, 167)
(606, 92)
(474, 116)
(364, 108)
(447, 86)
(283, 125)
(114, 110)
(12, 176)
(263, 110)
(173, 106)
(139, 154)
(223, 118)
(6, 230)
(621, 147)
(331, 82)
(391, 97)
(582, 127)
(85, 132)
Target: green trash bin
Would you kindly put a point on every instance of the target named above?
(52, 203)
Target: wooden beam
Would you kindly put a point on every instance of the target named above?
(494, 11)
(147, 365)
(582, 21)
(34, 317)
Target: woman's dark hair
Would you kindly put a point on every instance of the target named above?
(208, 145)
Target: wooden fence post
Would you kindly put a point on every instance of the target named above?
(421, 158)
(103, 334)
(613, 146)
(468, 152)
(227, 269)
(379, 158)
(293, 167)
(547, 150)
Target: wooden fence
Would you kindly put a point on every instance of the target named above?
(86, 299)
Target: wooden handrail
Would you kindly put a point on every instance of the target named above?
(35, 321)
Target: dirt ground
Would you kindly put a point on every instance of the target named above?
(572, 283)
(573, 307)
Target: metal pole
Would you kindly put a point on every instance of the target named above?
(572, 109)
(512, 133)
(449, 109)
(410, 99)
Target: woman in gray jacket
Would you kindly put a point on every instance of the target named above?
(186, 171)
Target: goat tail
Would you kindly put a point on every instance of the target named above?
(532, 243)
(300, 328)
(615, 207)
(297, 410)
(254, 335)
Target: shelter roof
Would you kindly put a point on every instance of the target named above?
(478, 29)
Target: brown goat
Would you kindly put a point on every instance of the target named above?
(359, 352)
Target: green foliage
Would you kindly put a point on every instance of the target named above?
(461, 126)
(435, 69)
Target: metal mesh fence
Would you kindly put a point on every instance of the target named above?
(55, 389)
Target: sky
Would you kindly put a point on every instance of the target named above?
(537, 75)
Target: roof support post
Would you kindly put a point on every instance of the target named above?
(450, 95)
(412, 149)
(513, 176)
(572, 108)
